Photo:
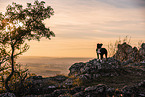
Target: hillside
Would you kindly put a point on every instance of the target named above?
(119, 76)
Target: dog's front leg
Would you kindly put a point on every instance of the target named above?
(98, 55)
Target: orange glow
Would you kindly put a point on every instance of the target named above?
(80, 24)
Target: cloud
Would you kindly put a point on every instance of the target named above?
(125, 3)
(85, 22)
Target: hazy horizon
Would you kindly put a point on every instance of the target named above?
(48, 66)
(51, 56)
(80, 24)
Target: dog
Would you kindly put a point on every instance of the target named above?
(101, 51)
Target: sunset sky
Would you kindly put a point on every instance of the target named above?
(80, 24)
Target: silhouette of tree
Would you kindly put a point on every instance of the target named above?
(19, 24)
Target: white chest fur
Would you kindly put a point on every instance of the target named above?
(99, 51)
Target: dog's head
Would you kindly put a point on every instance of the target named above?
(99, 45)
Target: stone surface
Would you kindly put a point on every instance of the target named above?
(142, 84)
(68, 82)
(96, 91)
(142, 63)
(79, 94)
(128, 91)
(59, 92)
(76, 89)
(94, 68)
(129, 54)
(58, 78)
(40, 85)
(7, 95)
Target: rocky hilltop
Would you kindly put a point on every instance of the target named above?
(122, 75)
(126, 52)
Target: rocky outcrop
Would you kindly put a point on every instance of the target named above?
(85, 72)
(95, 68)
(142, 51)
(39, 85)
(99, 90)
(7, 95)
(130, 54)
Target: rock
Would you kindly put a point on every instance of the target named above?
(49, 89)
(134, 64)
(143, 45)
(79, 94)
(68, 82)
(8, 94)
(142, 63)
(125, 52)
(110, 92)
(97, 88)
(76, 89)
(142, 52)
(35, 78)
(85, 69)
(84, 77)
(64, 95)
(58, 78)
(129, 91)
(75, 68)
(95, 68)
(141, 95)
(142, 84)
(126, 62)
(39, 85)
(59, 92)
(95, 76)
(96, 91)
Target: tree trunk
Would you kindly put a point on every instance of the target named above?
(12, 72)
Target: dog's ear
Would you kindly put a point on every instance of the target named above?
(101, 44)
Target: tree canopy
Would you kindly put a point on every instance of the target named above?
(19, 24)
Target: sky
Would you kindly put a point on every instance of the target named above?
(80, 24)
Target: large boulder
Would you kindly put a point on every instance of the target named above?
(75, 68)
(129, 54)
(142, 51)
(126, 52)
(95, 68)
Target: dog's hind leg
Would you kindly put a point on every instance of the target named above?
(101, 56)
(106, 56)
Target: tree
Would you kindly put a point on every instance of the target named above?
(19, 24)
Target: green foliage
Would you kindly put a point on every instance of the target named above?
(17, 25)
